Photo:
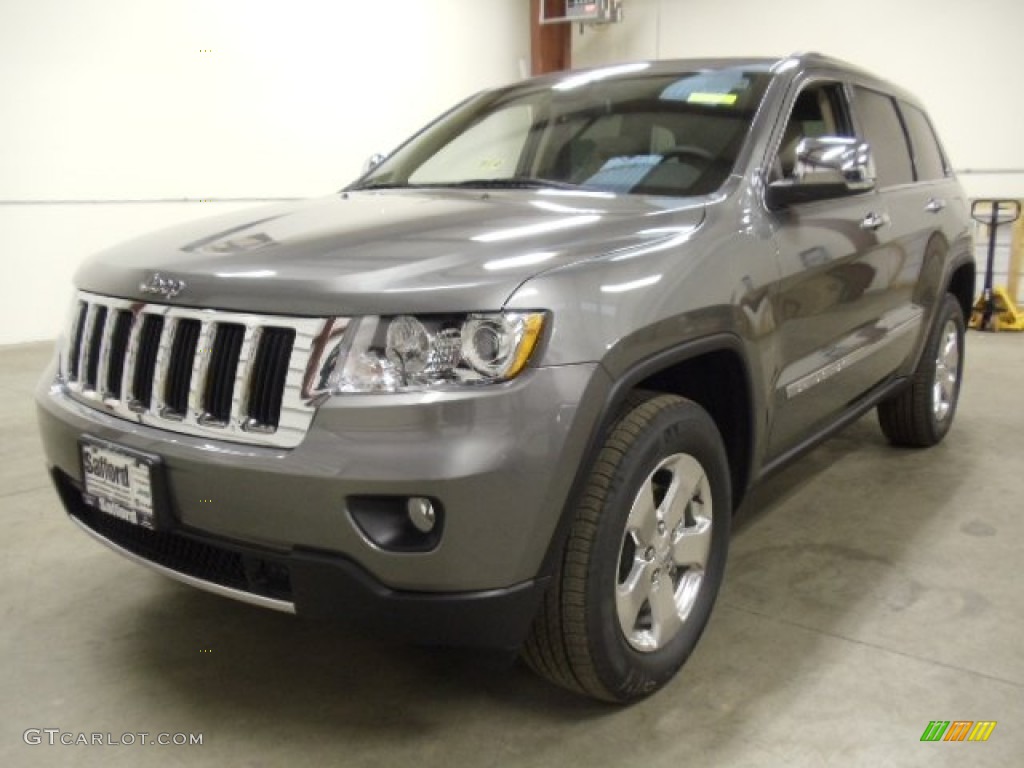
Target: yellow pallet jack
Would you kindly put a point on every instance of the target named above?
(995, 310)
(1000, 310)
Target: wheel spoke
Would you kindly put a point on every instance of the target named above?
(947, 387)
(947, 370)
(942, 382)
(665, 618)
(691, 545)
(631, 596)
(643, 519)
(687, 483)
(950, 355)
(673, 506)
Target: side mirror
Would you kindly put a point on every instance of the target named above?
(373, 161)
(826, 167)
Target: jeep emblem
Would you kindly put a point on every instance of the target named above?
(168, 287)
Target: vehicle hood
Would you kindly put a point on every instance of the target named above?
(384, 252)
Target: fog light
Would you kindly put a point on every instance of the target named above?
(398, 523)
(421, 514)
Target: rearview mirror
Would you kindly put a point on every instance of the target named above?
(826, 167)
(373, 161)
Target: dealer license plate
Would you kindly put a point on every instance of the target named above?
(119, 482)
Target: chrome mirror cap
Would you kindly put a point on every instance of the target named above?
(835, 159)
(826, 167)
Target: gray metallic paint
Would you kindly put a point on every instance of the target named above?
(381, 252)
(486, 456)
(626, 279)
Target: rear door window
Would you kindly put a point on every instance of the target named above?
(883, 130)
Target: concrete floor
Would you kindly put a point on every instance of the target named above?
(869, 592)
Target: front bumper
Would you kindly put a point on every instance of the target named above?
(272, 526)
(315, 584)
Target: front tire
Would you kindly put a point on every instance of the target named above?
(644, 558)
(921, 415)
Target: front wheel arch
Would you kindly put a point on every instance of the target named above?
(674, 371)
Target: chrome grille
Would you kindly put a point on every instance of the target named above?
(227, 375)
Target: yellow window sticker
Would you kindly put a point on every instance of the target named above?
(725, 99)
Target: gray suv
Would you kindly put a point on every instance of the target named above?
(508, 388)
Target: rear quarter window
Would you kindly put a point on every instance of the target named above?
(929, 161)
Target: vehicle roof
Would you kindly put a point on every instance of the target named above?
(792, 66)
(663, 66)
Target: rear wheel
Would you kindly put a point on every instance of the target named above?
(644, 558)
(921, 415)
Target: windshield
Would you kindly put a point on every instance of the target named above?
(661, 134)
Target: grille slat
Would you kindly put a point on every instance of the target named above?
(220, 376)
(178, 378)
(270, 370)
(145, 362)
(122, 329)
(95, 344)
(103, 367)
(226, 375)
(163, 360)
(77, 332)
(83, 350)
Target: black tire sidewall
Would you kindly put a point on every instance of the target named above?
(624, 671)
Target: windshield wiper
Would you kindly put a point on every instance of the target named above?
(511, 182)
(380, 185)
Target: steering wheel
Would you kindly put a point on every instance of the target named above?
(703, 156)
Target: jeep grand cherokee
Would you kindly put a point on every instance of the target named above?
(508, 388)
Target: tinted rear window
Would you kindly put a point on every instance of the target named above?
(883, 130)
(928, 158)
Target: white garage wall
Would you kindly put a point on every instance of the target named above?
(961, 58)
(209, 100)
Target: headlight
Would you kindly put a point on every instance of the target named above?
(408, 354)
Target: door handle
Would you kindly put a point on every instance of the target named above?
(935, 205)
(874, 221)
